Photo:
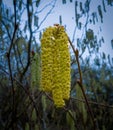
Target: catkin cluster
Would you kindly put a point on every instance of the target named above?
(55, 64)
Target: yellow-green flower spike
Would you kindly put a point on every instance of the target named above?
(64, 59)
(56, 64)
(46, 60)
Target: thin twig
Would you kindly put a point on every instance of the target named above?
(91, 102)
(81, 85)
(29, 15)
(45, 17)
(76, 55)
(9, 64)
(27, 92)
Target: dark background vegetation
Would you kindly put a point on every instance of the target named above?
(25, 107)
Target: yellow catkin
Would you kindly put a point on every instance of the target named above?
(56, 88)
(57, 97)
(46, 60)
(64, 59)
(56, 64)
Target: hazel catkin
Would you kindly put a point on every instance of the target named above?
(55, 64)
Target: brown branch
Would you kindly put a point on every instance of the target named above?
(76, 55)
(91, 102)
(9, 65)
(29, 15)
(81, 85)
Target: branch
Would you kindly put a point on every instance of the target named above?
(3, 23)
(28, 94)
(47, 5)
(91, 102)
(29, 15)
(9, 63)
(81, 85)
(53, 5)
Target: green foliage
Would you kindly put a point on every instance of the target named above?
(70, 121)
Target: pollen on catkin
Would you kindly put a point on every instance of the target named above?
(64, 59)
(55, 64)
(46, 60)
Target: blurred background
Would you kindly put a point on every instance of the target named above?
(88, 23)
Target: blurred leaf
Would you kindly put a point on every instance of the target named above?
(36, 21)
(44, 104)
(76, 3)
(112, 60)
(20, 43)
(37, 3)
(40, 35)
(35, 71)
(97, 61)
(100, 13)
(37, 127)
(1, 32)
(109, 59)
(110, 2)
(60, 20)
(94, 15)
(77, 16)
(81, 105)
(79, 25)
(102, 39)
(27, 126)
(7, 12)
(83, 48)
(20, 5)
(70, 120)
(90, 34)
(103, 3)
(112, 43)
(81, 8)
(87, 6)
(30, 2)
(25, 27)
(63, 1)
(103, 56)
(34, 115)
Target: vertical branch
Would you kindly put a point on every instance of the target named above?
(29, 14)
(81, 84)
(9, 64)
